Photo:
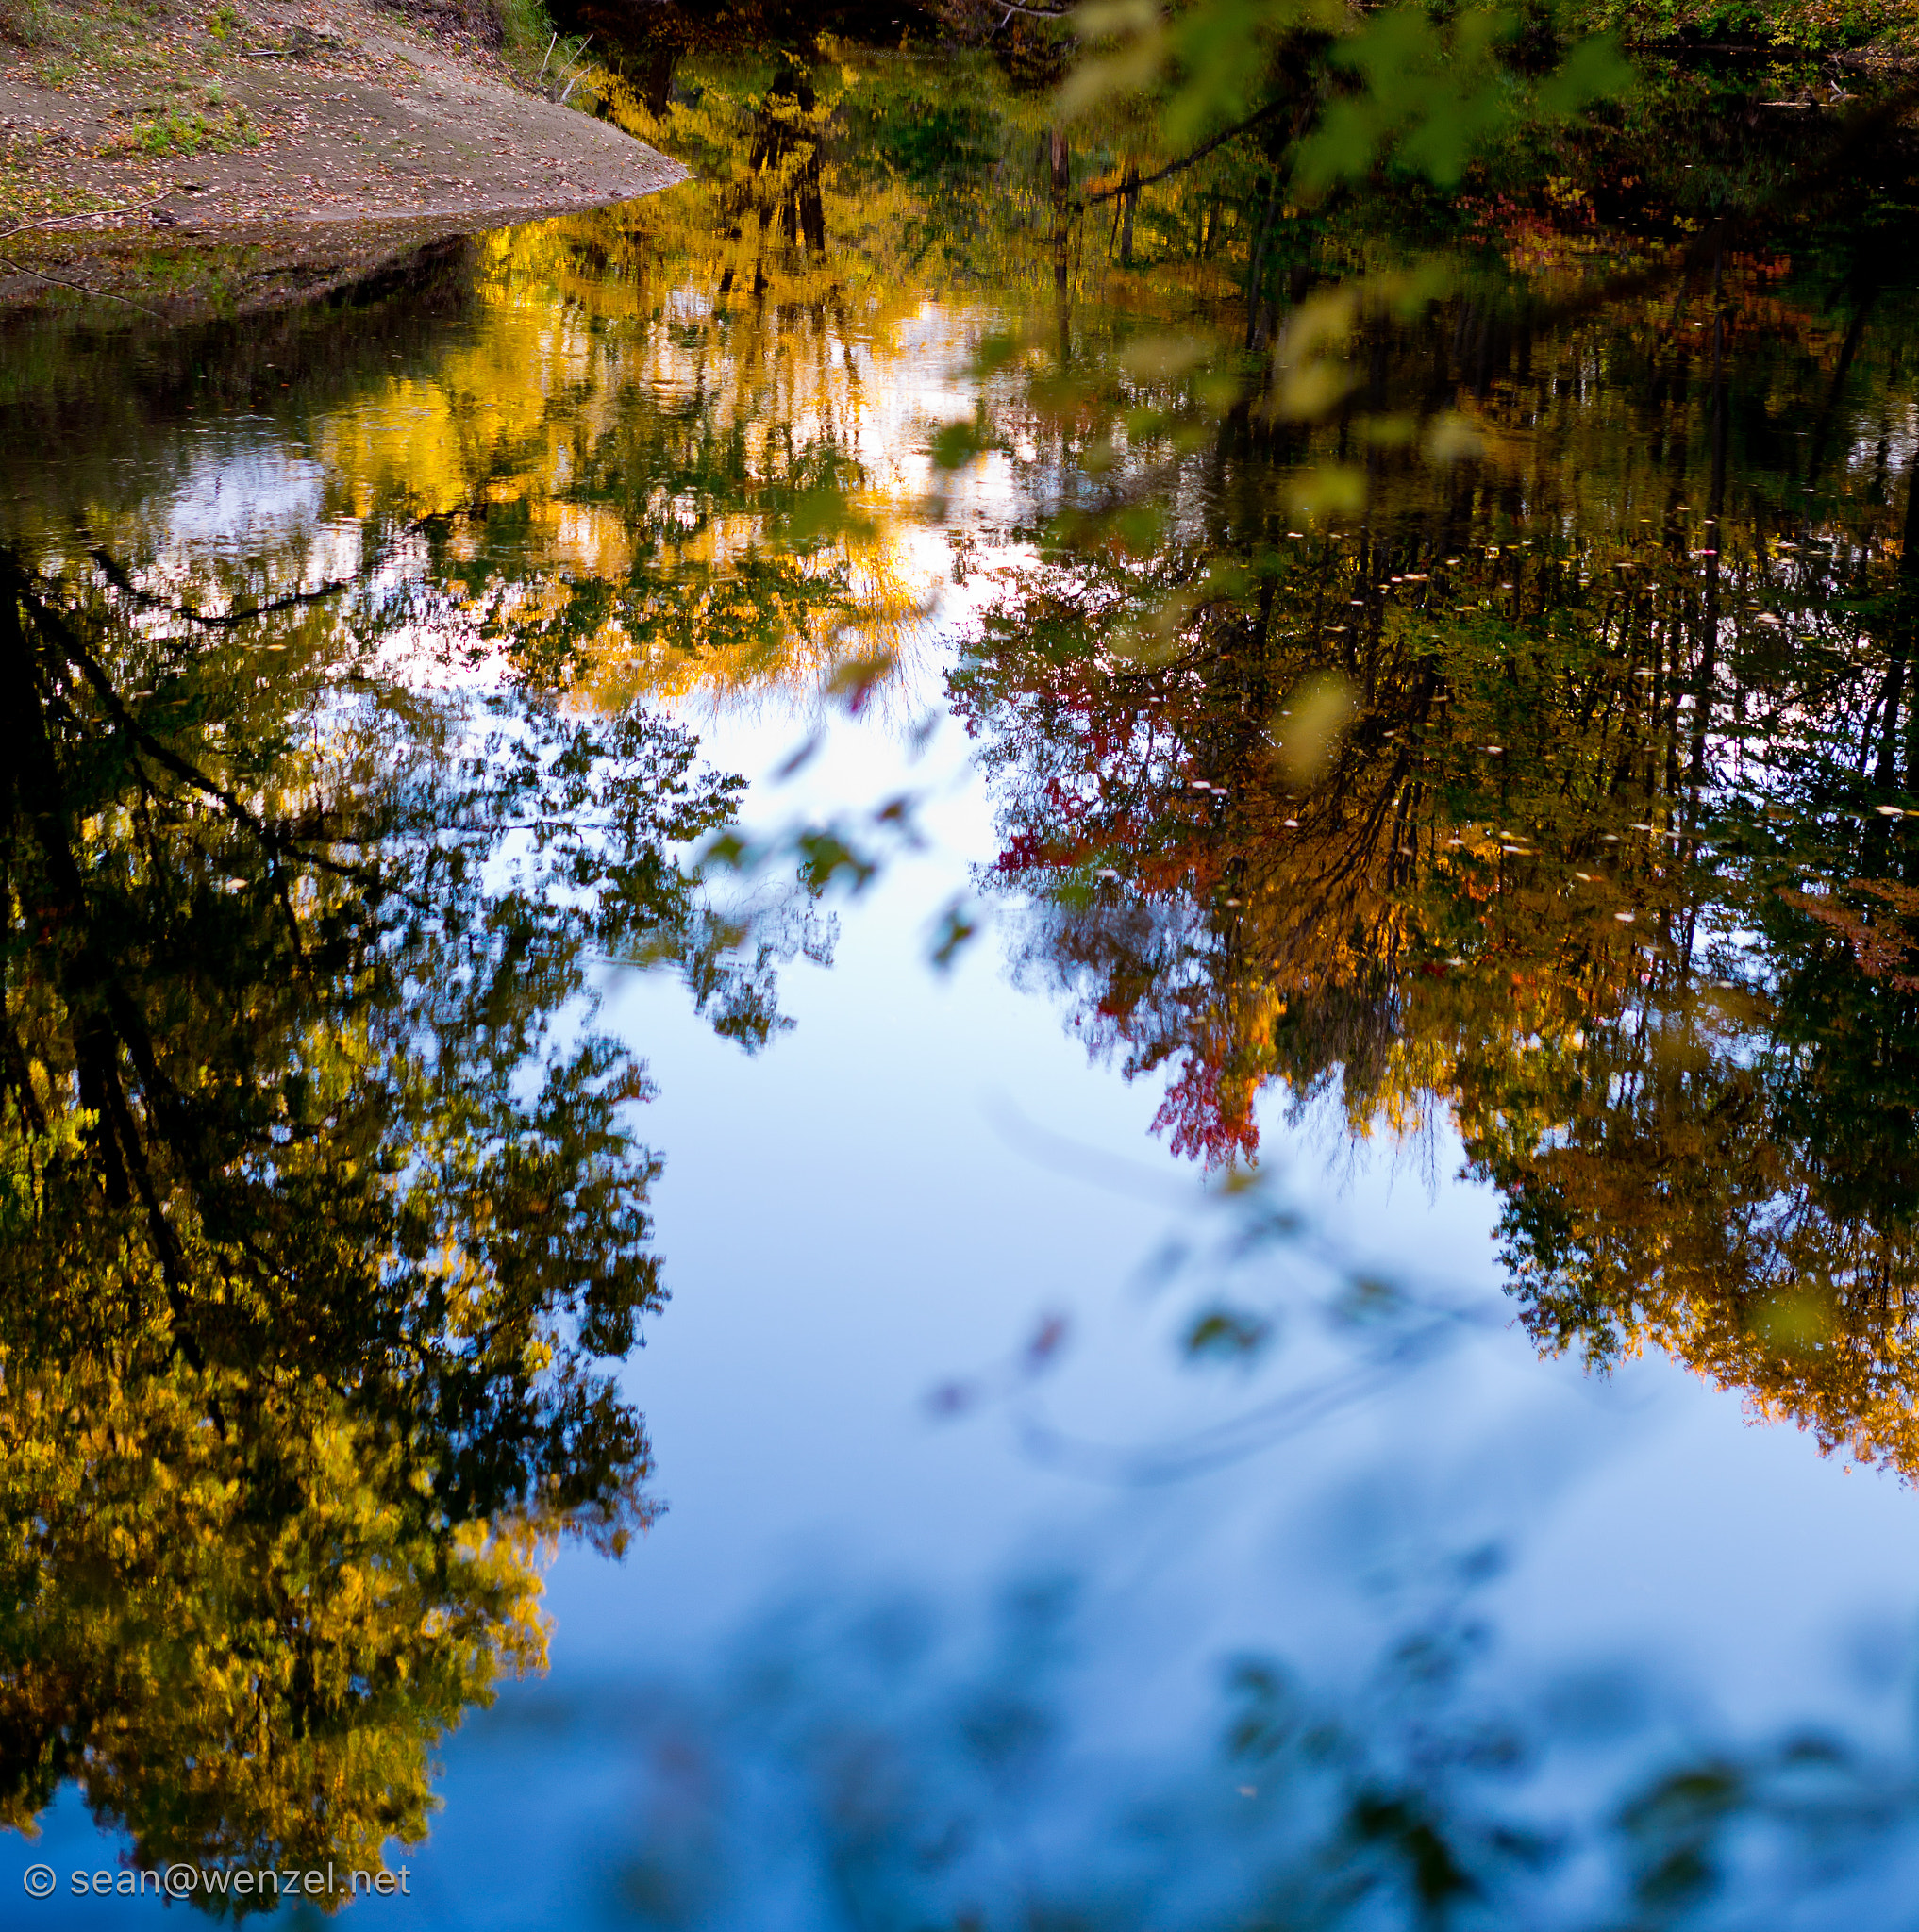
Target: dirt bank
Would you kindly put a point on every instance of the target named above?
(240, 120)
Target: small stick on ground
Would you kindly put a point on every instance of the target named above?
(85, 214)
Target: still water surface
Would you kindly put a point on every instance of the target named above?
(420, 1164)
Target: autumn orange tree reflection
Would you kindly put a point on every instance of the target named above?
(1548, 791)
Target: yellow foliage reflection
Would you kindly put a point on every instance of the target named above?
(681, 445)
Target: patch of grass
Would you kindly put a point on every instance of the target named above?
(175, 133)
(525, 26)
(517, 29)
(223, 22)
(527, 31)
(32, 201)
(521, 30)
(101, 38)
(24, 21)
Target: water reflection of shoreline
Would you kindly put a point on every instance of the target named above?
(1538, 883)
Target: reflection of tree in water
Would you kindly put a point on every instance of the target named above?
(896, 1763)
(1608, 862)
(786, 155)
(322, 1224)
